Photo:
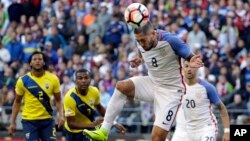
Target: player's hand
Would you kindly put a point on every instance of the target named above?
(135, 62)
(60, 121)
(120, 128)
(12, 129)
(196, 61)
(98, 121)
(226, 137)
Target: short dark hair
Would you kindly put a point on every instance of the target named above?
(45, 67)
(147, 27)
(82, 71)
(37, 52)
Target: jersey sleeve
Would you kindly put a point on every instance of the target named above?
(19, 89)
(69, 106)
(56, 85)
(212, 93)
(179, 47)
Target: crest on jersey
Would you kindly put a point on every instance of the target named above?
(163, 52)
(47, 85)
(198, 94)
(91, 102)
(68, 112)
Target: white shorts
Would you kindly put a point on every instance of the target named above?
(166, 102)
(207, 133)
(180, 135)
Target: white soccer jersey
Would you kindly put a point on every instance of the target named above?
(197, 105)
(164, 61)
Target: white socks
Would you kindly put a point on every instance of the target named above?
(114, 108)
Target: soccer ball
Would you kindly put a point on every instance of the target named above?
(136, 15)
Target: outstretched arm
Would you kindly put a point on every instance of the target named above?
(183, 50)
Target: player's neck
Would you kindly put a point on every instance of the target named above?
(37, 73)
(191, 82)
(81, 91)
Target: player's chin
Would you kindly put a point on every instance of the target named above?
(147, 48)
(37, 67)
(84, 87)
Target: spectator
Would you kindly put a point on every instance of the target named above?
(50, 53)
(93, 30)
(3, 94)
(105, 96)
(82, 45)
(56, 39)
(90, 18)
(29, 47)
(115, 30)
(236, 105)
(70, 49)
(104, 18)
(15, 11)
(8, 107)
(4, 57)
(67, 84)
(15, 48)
(223, 86)
(8, 77)
(196, 37)
(4, 20)
(246, 72)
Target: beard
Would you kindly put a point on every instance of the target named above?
(152, 45)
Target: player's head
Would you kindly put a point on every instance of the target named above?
(146, 36)
(37, 60)
(82, 78)
(189, 72)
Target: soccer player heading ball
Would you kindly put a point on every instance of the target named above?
(164, 86)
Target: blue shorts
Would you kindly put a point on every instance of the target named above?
(39, 129)
(75, 136)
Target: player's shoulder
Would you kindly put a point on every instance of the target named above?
(68, 98)
(22, 78)
(93, 90)
(50, 75)
(165, 35)
(206, 84)
(70, 91)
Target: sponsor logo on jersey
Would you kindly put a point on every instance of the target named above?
(31, 87)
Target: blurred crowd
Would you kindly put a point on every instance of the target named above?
(92, 34)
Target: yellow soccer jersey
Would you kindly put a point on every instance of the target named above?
(91, 99)
(48, 84)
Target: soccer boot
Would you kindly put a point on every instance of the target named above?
(100, 134)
